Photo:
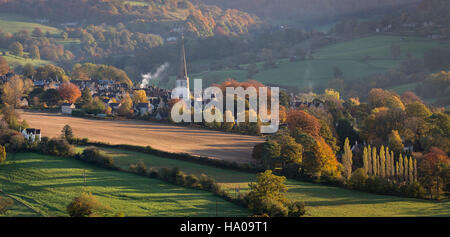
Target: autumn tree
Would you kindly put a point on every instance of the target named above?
(85, 98)
(382, 162)
(139, 96)
(366, 161)
(434, 169)
(37, 32)
(395, 142)
(374, 162)
(321, 161)
(400, 171)
(406, 169)
(388, 165)
(126, 107)
(347, 159)
(34, 52)
(369, 160)
(67, 133)
(300, 121)
(85, 205)
(69, 92)
(411, 170)
(16, 48)
(13, 91)
(2, 154)
(269, 187)
(271, 153)
(4, 67)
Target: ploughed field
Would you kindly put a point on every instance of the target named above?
(166, 137)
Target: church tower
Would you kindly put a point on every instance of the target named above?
(182, 81)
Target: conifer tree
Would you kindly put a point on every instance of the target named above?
(347, 159)
(374, 161)
(382, 159)
(365, 160)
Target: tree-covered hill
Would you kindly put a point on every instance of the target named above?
(200, 19)
(307, 9)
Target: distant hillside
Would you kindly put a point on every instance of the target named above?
(202, 20)
(306, 9)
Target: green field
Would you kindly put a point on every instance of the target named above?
(321, 200)
(14, 23)
(14, 61)
(348, 56)
(48, 184)
(136, 3)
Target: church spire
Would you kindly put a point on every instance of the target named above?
(182, 75)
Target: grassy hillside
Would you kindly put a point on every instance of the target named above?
(320, 200)
(348, 56)
(14, 23)
(14, 60)
(48, 184)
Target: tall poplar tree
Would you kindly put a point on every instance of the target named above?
(388, 163)
(411, 170)
(397, 171)
(400, 168)
(374, 161)
(382, 159)
(369, 161)
(366, 160)
(393, 164)
(405, 167)
(347, 159)
(415, 170)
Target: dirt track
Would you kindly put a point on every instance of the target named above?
(218, 145)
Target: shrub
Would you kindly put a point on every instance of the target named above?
(192, 181)
(58, 147)
(138, 168)
(85, 205)
(5, 204)
(95, 156)
(358, 179)
(79, 113)
(274, 208)
(296, 209)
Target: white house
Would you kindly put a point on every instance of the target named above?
(32, 134)
(67, 108)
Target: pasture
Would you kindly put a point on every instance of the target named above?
(14, 61)
(321, 200)
(14, 23)
(356, 58)
(48, 184)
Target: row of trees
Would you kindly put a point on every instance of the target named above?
(381, 164)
